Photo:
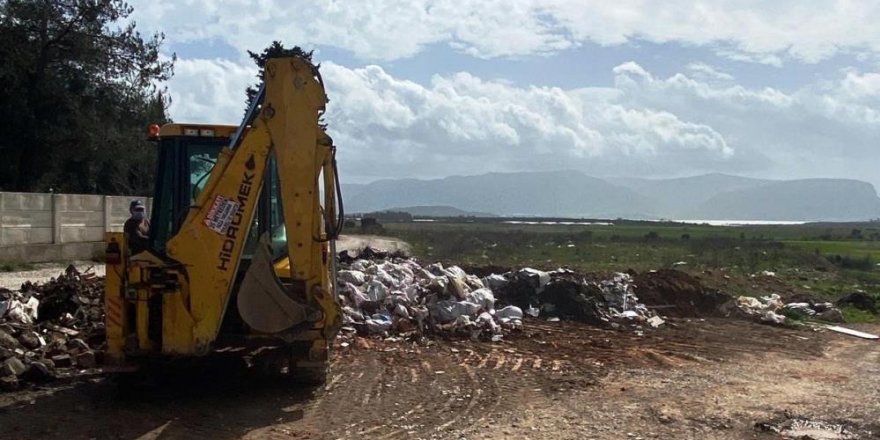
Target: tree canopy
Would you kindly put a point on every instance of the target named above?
(78, 87)
(275, 50)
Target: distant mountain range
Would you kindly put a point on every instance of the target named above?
(575, 194)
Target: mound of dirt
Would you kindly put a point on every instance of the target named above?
(859, 300)
(675, 293)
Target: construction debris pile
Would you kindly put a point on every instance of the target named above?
(48, 329)
(564, 294)
(391, 294)
(772, 310)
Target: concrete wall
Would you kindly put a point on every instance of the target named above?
(47, 227)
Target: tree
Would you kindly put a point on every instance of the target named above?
(276, 49)
(77, 91)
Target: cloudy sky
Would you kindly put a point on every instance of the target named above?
(775, 89)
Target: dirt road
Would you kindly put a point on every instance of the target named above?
(710, 379)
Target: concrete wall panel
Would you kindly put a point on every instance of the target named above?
(82, 219)
(18, 236)
(27, 219)
(38, 219)
(10, 201)
(81, 234)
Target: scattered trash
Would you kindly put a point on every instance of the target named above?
(805, 428)
(567, 295)
(655, 321)
(773, 318)
(388, 294)
(49, 327)
(772, 310)
(802, 309)
(533, 311)
(851, 332)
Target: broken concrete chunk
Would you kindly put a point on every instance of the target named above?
(7, 341)
(86, 359)
(79, 344)
(62, 361)
(9, 383)
(64, 330)
(39, 371)
(48, 363)
(30, 339)
(12, 367)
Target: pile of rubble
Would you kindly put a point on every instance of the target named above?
(564, 294)
(388, 294)
(48, 328)
(771, 309)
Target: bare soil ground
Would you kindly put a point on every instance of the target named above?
(700, 379)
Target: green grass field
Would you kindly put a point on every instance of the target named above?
(641, 245)
(823, 260)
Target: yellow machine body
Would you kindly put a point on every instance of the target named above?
(174, 298)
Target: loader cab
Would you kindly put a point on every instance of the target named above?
(187, 154)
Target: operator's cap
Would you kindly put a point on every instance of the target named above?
(136, 204)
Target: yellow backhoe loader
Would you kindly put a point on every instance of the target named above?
(241, 254)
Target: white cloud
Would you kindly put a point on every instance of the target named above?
(643, 125)
(209, 90)
(824, 129)
(461, 124)
(703, 71)
(862, 86)
(768, 31)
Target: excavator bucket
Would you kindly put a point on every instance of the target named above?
(263, 301)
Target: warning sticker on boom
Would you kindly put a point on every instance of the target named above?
(220, 215)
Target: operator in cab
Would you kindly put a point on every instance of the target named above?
(137, 227)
